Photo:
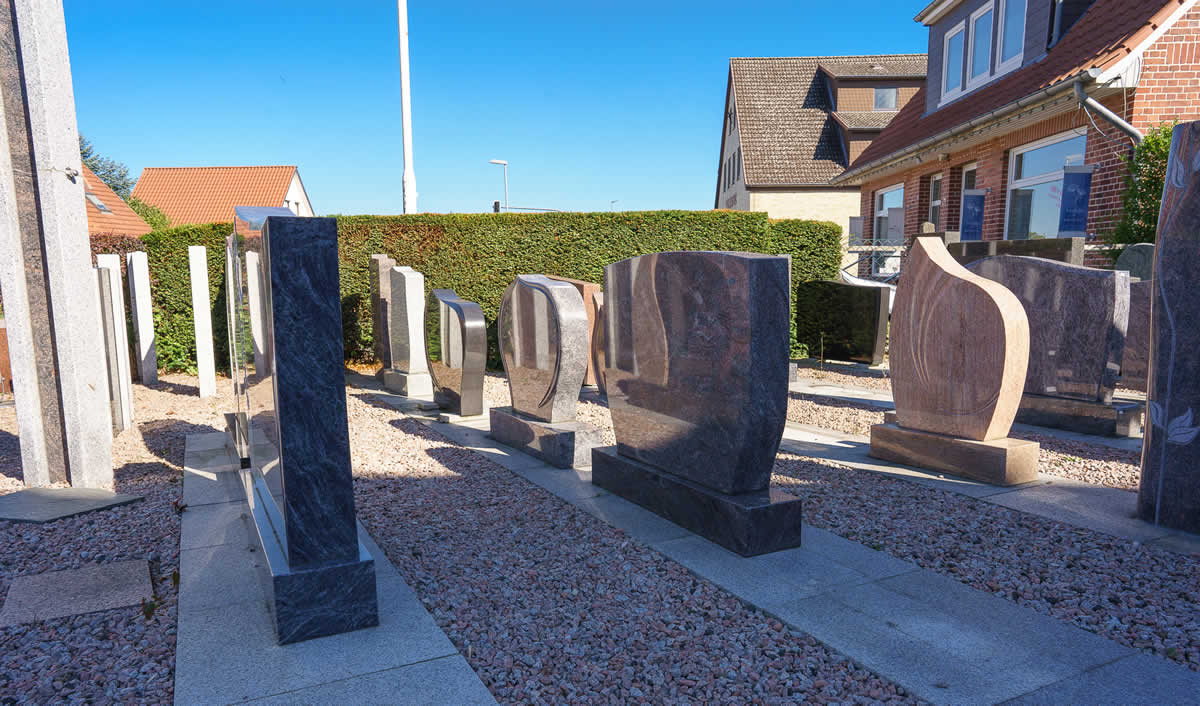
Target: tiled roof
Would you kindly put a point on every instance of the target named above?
(120, 218)
(1109, 31)
(893, 66)
(784, 119)
(865, 119)
(208, 194)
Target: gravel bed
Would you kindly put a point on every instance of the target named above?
(592, 410)
(846, 376)
(112, 656)
(1142, 597)
(550, 605)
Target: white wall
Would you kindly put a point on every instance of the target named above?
(735, 197)
(836, 205)
(296, 198)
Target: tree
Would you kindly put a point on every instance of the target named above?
(1143, 188)
(152, 215)
(114, 174)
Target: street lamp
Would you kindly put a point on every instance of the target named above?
(503, 163)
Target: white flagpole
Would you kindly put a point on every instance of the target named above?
(409, 181)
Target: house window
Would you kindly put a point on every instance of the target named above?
(968, 182)
(952, 53)
(1012, 35)
(885, 199)
(935, 200)
(885, 98)
(981, 46)
(1035, 179)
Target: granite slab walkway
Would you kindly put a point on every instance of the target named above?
(943, 641)
(226, 651)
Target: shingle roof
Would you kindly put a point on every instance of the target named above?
(893, 66)
(208, 194)
(865, 119)
(120, 218)
(788, 134)
(1109, 31)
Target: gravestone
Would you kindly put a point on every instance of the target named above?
(1068, 250)
(206, 363)
(1078, 317)
(112, 296)
(112, 357)
(1137, 259)
(1135, 362)
(843, 321)
(456, 355)
(589, 292)
(696, 350)
(959, 351)
(137, 269)
(409, 374)
(56, 348)
(596, 361)
(298, 484)
(543, 332)
(1169, 492)
(381, 297)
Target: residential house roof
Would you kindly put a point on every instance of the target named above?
(1108, 32)
(856, 67)
(106, 212)
(209, 194)
(865, 119)
(784, 116)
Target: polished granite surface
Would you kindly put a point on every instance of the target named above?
(543, 332)
(456, 351)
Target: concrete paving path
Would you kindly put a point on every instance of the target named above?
(942, 640)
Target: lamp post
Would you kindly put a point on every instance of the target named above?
(503, 163)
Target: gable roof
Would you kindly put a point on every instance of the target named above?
(865, 119)
(209, 194)
(894, 66)
(1110, 31)
(784, 116)
(120, 218)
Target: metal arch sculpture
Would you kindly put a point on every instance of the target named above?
(456, 351)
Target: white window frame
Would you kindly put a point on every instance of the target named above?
(875, 98)
(948, 96)
(1002, 66)
(968, 167)
(940, 200)
(879, 194)
(1040, 178)
(971, 83)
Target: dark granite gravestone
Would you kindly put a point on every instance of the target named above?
(1135, 362)
(1068, 250)
(298, 484)
(1169, 493)
(696, 351)
(840, 321)
(1137, 259)
(456, 349)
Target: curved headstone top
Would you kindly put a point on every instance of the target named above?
(1078, 317)
(456, 350)
(543, 329)
(1137, 259)
(696, 363)
(960, 346)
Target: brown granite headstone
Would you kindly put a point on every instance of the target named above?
(1135, 361)
(1068, 250)
(587, 290)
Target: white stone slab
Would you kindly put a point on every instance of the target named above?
(58, 594)
(202, 316)
(120, 334)
(137, 269)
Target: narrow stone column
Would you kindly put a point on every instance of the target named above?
(113, 295)
(202, 318)
(381, 302)
(137, 269)
(56, 349)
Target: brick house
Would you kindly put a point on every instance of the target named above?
(209, 194)
(1001, 112)
(792, 124)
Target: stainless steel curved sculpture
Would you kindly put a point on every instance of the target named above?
(543, 330)
(456, 349)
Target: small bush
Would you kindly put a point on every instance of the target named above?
(1140, 202)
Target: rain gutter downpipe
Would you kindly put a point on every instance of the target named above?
(1089, 102)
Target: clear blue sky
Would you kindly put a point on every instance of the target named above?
(588, 101)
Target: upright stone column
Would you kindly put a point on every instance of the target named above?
(381, 301)
(1169, 493)
(409, 374)
(202, 317)
(56, 349)
(137, 269)
(121, 376)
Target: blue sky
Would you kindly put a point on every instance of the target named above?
(589, 102)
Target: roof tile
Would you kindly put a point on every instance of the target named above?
(120, 218)
(208, 194)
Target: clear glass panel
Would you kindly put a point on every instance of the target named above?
(969, 179)
(1033, 211)
(954, 61)
(885, 98)
(935, 190)
(889, 199)
(981, 44)
(935, 214)
(1050, 158)
(1012, 37)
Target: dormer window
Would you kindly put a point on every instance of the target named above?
(987, 44)
(981, 46)
(886, 98)
(95, 201)
(952, 50)
(1012, 35)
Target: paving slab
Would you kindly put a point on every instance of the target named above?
(445, 680)
(634, 520)
(219, 576)
(1136, 680)
(38, 505)
(58, 594)
(209, 487)
(213, 525)
(1107, 510)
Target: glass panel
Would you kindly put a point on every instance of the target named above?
(981, 44)
(969, 179)
(889, 199)
(1033, 211)
(885, 98)
(935, 190)
(935, 214)
(1012, 36)
(1050, 158)
(954, 61)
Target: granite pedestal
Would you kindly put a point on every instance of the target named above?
(561, 444)
(407, 384)
(1004, 461)
(1122, 418)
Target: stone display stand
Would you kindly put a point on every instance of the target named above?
(560, 444)
(1120, 418)
(1004, 461)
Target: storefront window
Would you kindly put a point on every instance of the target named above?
(1035, 184)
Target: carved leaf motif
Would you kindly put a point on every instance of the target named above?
(1156, 413)
(1196, 162)
(1177, 173)
(1180, 431)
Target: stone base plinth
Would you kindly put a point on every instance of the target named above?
(749, 524)
(1120, 418)
(562, 444)
(407, 384)
(1000, 462)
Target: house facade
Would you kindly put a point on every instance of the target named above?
(209, 194)
(1020, 94)
(792, 124)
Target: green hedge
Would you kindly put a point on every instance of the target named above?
(477, 255)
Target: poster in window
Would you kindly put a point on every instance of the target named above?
(972, 214)
(1076, 192)
(1020, 214)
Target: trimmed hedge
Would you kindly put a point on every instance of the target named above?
(477, 255)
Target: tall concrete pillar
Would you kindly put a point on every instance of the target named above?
(202, 319)
(120, 370)
(137, 269)
(59, 373)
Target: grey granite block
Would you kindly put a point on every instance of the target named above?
(57, 594)
(457, 354)
(381, 301)
(1135, 361)
(1068, 250)
(50, 504)
(1116, 418)
(1137, 680)
(562, 444)
(406, 325)
(206, 488)
(407, 384)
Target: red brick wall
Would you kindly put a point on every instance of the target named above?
(1168, 87)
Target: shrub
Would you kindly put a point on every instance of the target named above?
(1147, 170)
(152, 215)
